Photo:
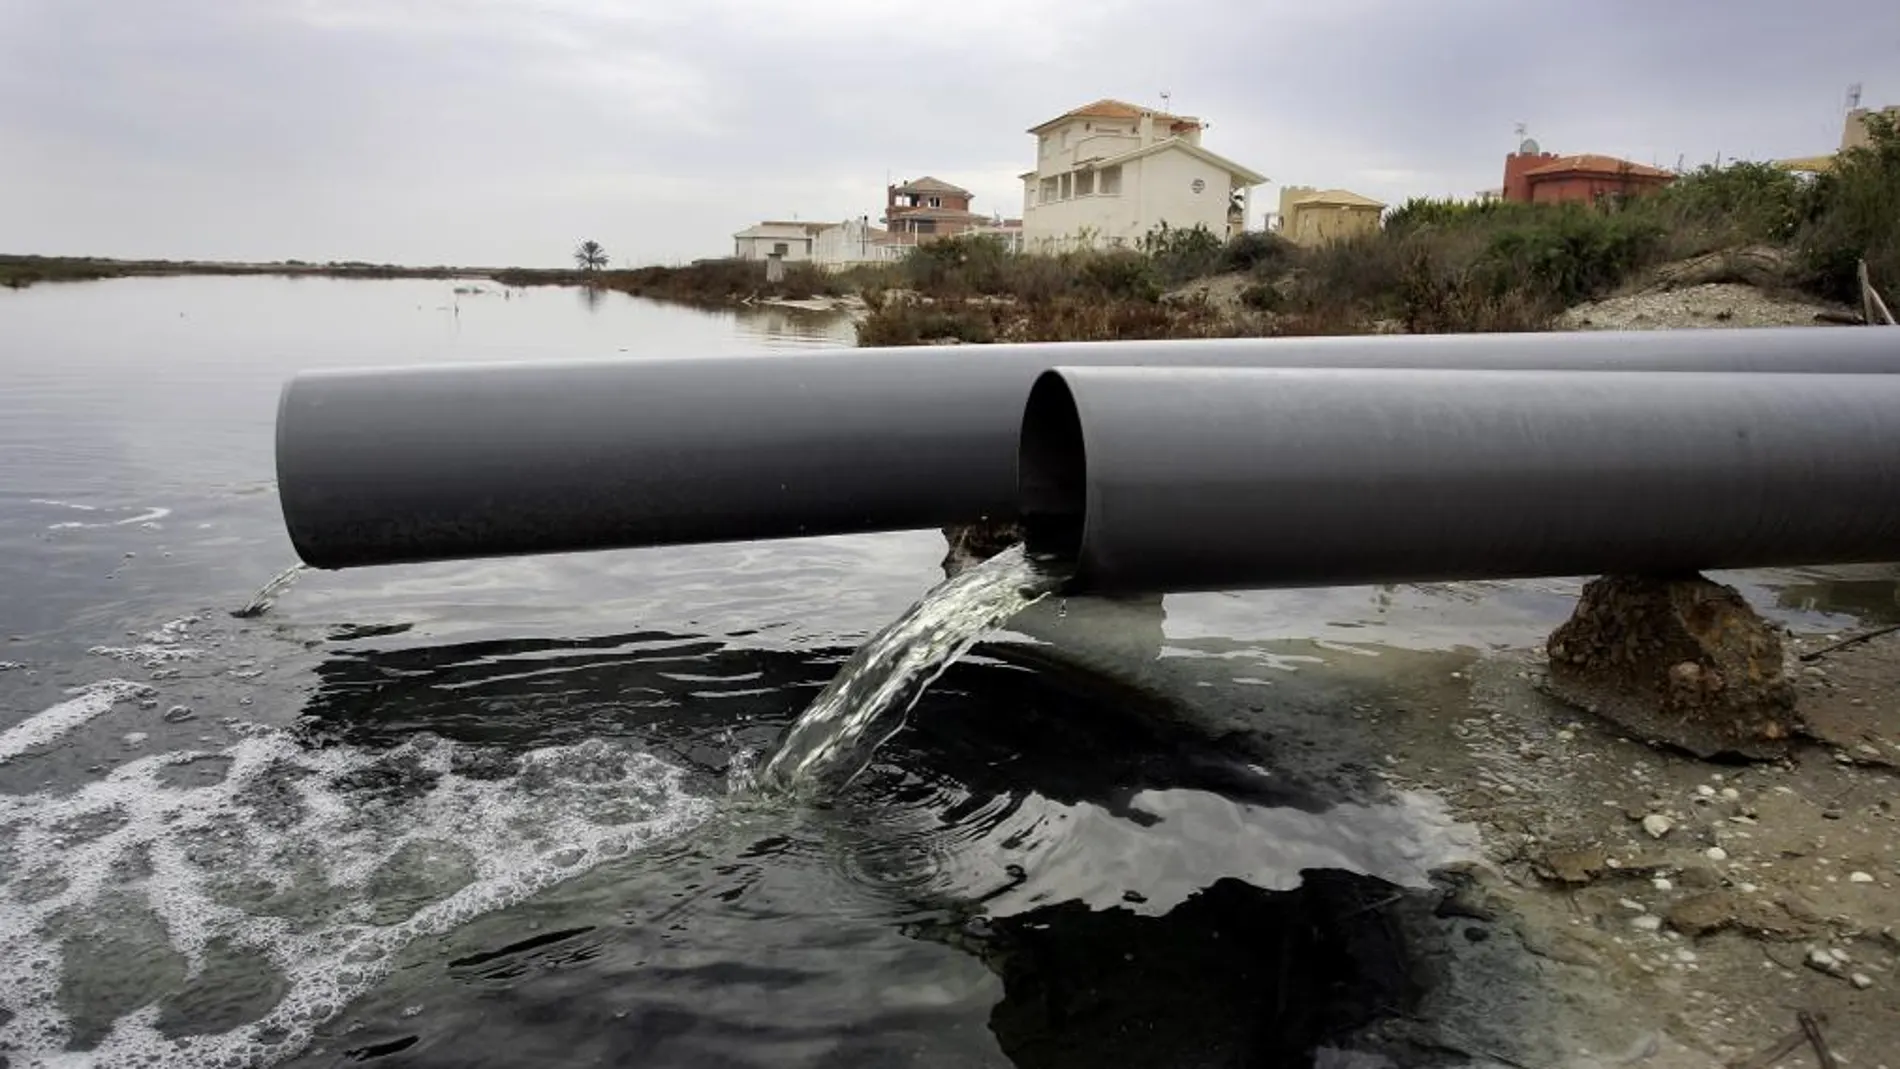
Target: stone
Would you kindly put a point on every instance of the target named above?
(1859, 877)
(1861, 980)
(1573, 866)
(1683, 662)
(1821, 961)
(1648, 922)
(1715, 853)
(1657, 825)
(1714, 911)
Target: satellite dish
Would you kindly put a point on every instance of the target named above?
(1528, 147)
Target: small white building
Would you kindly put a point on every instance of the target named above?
(1107, 173)
(852, 243)
(789, 241)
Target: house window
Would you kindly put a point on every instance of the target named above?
(780, 248)
(1112, 180)
(1065, 185)
(1048, 190)
(935, 202)
(1084, 183)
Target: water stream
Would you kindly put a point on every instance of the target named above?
(865, 704)
(268, 594)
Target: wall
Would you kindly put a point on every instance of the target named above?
(796, 248)
(1154, 189)
(1854, 132)
(1517, 188)
(850, 243)
(1320, 224)
(1581, 188)
(1167, 193)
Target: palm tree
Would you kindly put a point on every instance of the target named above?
(590, 256)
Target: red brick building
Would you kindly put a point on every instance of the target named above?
(1533, 177)
(929, 208)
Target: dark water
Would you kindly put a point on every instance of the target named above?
(476, 814)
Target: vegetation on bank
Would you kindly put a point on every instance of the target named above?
(1437, 266)
(19, 272)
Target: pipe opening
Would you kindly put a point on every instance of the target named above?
(1052, 472)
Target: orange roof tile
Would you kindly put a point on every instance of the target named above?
(1107, 108)
(1591, 163)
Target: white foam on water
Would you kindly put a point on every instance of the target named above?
(289, 858)
(146, 516)
(159, 648)
(49, 725)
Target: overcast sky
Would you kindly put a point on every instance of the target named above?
(503, 131)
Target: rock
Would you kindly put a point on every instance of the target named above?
(1859, 877)
(1657, 825)
(178, 714)
(973, 543)
(1714, 911)
(1573, 866)
(1648, 922)
(1707, 912)
(1684, 662)
(1821, 961)
(1715, 853)
(1861, 980)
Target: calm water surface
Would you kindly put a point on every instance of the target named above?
(475, 813)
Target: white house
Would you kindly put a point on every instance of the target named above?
(854, 242)
(789, 241)
(1109, 172)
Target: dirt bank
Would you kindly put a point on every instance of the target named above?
(1627, 906)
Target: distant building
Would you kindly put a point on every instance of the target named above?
(1532, 176)
(1854, 134)
(1107, 173)
(926, 209)
(853, 243)
(789, 241)
(1311, 216)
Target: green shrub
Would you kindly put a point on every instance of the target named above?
(1118, 274)
(1257, 253)
(1262, 297)
(1857, 217)
(1180, 255)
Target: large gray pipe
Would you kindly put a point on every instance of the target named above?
(384, 466)
(1162, 479)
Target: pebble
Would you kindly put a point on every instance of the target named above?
(1823, 961)
(1661, 884)
(1648, 922)
(1748, 888)
(1859, 877)
(1632, 905)
(1715, 853)
(178, 714)
(135, 738)
(1731, 794)
(1705, 790)
(1657, 825)
(1861, 980)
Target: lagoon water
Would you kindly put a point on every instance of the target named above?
(477, 813)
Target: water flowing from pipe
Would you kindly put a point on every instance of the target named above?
(867, 701)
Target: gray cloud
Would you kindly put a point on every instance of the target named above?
(490, 131)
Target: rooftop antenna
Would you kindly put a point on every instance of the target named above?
(1853, 96)
(1165, 97)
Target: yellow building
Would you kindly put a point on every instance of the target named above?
(1311, 216)
(1853, 135)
